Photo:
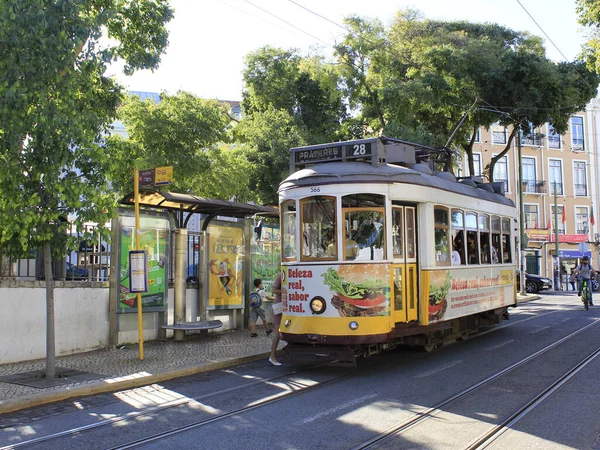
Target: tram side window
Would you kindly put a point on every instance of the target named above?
(472, 241)
(496, 248)
(442, 229)
(288, 228)
(364, 219)
(484, 238)
(458, 238)
(506, 249)
(318, 239)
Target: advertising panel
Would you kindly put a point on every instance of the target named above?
(461, 292)
(266, 255)
(154, 240)
(348, 290)
(225, 267)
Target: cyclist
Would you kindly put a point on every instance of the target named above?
(585, 271)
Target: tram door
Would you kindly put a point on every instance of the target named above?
(404, 268)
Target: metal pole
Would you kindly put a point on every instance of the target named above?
(521, 220)
(556, 258)
(136, 194)
(179, 282)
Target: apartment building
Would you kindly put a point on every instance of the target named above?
(559, 187)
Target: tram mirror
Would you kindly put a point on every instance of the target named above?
(258, 230)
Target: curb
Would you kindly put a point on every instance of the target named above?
(101, 387)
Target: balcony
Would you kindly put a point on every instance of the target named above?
(554, 141)
(534, 187)
(499, 137)
(533, 140)
(581, 190)
(578, 145)
(556, 188)
(582, 230)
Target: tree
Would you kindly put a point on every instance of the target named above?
(434, 79)
(56, 105)
(589, 16)
(268, 136)
(183, 131)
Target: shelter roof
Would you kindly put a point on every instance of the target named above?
(190, 203)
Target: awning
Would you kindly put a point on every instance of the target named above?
(186, 203)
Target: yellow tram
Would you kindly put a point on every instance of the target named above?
(379, 250)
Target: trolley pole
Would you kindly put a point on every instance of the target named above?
(521, 221)
(557, 281)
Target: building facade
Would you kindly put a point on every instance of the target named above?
(559, 188)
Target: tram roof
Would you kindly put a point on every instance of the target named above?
(363, 172)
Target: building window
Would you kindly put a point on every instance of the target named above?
(577, 141)
(531, 216)
(559, 220)
(476, 164)
(556, 184)
(499, 134)
(501, 172)
(530, 183)
(477, 136)
(553, 138)
(582, 224)
(580, 178)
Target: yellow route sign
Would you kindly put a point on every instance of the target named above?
(163, 175)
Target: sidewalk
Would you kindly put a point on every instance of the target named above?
(110, 370)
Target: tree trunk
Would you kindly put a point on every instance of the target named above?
(50, 350)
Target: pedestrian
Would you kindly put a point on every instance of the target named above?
(277, 313)
(572, 279)
(256, 311)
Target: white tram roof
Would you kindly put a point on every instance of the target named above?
(363, 172)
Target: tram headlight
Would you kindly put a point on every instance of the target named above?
(353, 325)
(318, 305)
(287, 323)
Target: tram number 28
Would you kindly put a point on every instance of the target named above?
(359, 149)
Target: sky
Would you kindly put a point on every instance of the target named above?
(209, 39)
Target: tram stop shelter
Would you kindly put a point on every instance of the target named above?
(182, 207)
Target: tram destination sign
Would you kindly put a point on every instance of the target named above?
(329, 153)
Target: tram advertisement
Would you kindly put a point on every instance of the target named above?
(225, 266)
(349, 290)
(462, 292)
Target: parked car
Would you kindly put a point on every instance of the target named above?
(534, 283)
(75, 272)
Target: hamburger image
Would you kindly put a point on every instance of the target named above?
(358, 290)
(439, 286)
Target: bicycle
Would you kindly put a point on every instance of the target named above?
(586, 293)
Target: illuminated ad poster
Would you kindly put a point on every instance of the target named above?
(266, 255)
(350, 290)
(154, 239)
(225, 266)
(462, 292)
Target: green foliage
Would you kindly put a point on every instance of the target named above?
(56, 104)
(268, 137)
(183, 131)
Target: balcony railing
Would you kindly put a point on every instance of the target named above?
(499, 137)
(578, 144)
(584, 230)
(556, 188)
(581, 190)
(554, 141)
(534, 140)
(534, 187)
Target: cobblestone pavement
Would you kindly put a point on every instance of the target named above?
(120, 368)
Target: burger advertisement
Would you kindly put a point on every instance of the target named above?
(439, 287)
(359, 290)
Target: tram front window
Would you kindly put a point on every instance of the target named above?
(318, 228)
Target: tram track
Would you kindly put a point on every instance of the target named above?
(261, 403)
(380, 440)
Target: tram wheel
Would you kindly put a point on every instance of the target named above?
(429, 347)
